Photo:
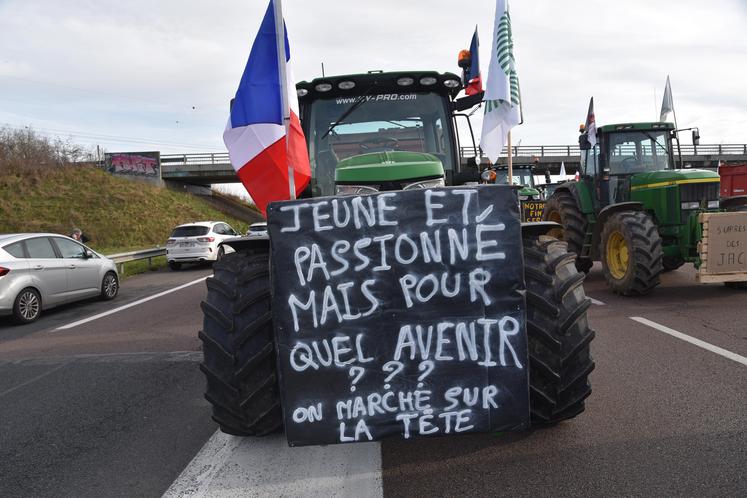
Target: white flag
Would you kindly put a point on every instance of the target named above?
(667, 105)
(563, 174)
(502, 97)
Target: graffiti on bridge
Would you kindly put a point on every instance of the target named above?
(145, 164)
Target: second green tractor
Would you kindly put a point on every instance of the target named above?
(633, 209)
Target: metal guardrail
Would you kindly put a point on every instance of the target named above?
(170, 162)
(125, 257)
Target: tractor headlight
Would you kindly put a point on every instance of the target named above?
(356, 189)
(690, 205)
(713, 205)
(525, 197)
(434, 183)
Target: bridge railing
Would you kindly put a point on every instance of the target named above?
(173, 162)
(573, 150)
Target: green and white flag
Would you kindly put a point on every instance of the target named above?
(502, 96)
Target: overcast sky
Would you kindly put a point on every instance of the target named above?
(158, 74)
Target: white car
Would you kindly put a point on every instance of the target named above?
(257, 229)
(39, 271)
(198, 242)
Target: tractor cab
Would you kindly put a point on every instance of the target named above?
(522, 175)
(636, 163)
(625, 154)
(381, 131)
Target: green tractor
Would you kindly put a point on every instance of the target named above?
(633, 209)
(368, 133)
(522, 176)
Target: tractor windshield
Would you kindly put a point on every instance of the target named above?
(638, 152)
(519, 177)
(415, 122)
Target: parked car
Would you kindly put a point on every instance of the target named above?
(39, 271)
(198, 242)
(257, 229)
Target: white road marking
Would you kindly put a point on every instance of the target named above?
(691, 340)
(596, 301)
(130, 305)
(229, 466)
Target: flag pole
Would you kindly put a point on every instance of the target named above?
(284, 107)
(510, 161)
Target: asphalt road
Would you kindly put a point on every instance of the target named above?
(114, 407)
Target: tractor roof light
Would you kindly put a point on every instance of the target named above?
(452, 83)
(302, 92)
(464, 60)
(323, 87)
(489, 175)
(428, 80)
(346, 85)
(405, 81)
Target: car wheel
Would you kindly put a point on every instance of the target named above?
(221, 253)
(175, 266)
(109, 286)
(27, 306)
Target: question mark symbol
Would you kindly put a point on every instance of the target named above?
(357, 373)
(426, 367)
(394, 367)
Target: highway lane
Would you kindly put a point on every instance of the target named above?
(665, 417)
(113, 407)
(84, 413)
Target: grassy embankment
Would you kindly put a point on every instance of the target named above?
(117, 214)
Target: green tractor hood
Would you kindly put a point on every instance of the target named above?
(388, 166)
(672, 177)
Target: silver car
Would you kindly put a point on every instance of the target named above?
(41, 270)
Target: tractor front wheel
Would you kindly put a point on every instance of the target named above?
(562, 208)
(631, 253)
(238, 346)
(557, 331)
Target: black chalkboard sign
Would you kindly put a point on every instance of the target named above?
(400, 313)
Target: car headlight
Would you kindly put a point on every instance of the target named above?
(356, 189)
(690, 205)
(713, 205)
(433, 183)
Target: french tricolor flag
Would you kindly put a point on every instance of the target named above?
(263, 135)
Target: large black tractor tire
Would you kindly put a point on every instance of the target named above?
(238, 348)
(631, 253)
(558, 331)
(671, 263)
(562, 208)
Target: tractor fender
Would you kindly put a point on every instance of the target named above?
(608, 211)
(247, 244)
(569, 187)
(602, 218)
(537, 228)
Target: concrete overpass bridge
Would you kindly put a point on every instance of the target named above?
(209, 168)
